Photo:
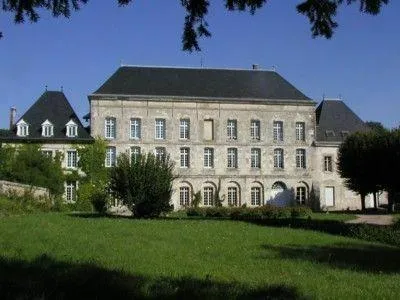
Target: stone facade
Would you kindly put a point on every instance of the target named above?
(196, 177)
(7, 187)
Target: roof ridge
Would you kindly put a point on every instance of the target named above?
(195, 68)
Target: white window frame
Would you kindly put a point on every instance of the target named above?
(22, 128)
(208, 196)
(255, 196)
(255, 158)
(160, 153)
(111, 157)
(135, 153)
(233, 199)
(279, 162)
(48, 153)
(184, 129)
(208, 157)
(328, 164)
(300, 131)
(231, 129)
(70, 191)
(184, 196)
(47, 129)
(185, 157)
(71, 129)
(301, 158)
(301, 195)
(232, 158)
(110, 128)
(278, 131)
(72, 159)
(255, 130)
(159, 129)
(135, 129)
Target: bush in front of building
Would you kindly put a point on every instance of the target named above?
(143, 184)
(249, 213)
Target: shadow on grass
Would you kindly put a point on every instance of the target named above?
(46, 278)
(370, 258)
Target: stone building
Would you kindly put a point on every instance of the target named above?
(249, 135)
(51, 122)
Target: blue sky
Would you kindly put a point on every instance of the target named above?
(360, 63)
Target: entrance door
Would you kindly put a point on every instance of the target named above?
(329, 196)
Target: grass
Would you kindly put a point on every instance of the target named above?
(58, 255)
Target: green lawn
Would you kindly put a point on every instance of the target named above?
(63, 256)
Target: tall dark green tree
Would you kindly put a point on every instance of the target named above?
(320, 13)
(143, 184)
(357, 166)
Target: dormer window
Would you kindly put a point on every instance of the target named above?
(345, 134)
(72, 129)
(22, 128)
(47, 129)
(329, 133)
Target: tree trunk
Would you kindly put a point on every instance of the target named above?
(363, 202)
(375, 201)
(390, 201)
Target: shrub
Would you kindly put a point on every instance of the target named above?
(301, 212)
(99, 201)
(196, 212)
(84, 199)
(144, 185)
(196, 199)
(217, 212)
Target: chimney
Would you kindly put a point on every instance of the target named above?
(13, 114)
(255, 66)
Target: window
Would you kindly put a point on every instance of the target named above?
(22, 128)
(135, 154)
(160, 129)
(232, 158)
(47, 129)
(255, 129)
(110, 128)
(329, 133)
(208, 157)
(184, 196)
(47, 153)
(184, 129)
(185, 157)
(70, 191)
(208, 195)
(208, 130)
(110, 157)
(71, 159)
(160, 153)
(328, 166)
(231, 129)
(71, 129)
(136, 128)
(232, 196)
(255, 196)
(301, 158)
(301, 195)
(300, 131)
(278, 131)
(256, 158)
(278, 158)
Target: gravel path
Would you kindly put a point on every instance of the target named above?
(373, 219)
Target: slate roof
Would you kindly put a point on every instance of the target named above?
(334, 120)
(52, 106)
(257, 85)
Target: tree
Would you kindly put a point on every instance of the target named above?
(143, 184)
(320, 13)
(376, 126)
(29, 165)
(356, 164)
(93, 184)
